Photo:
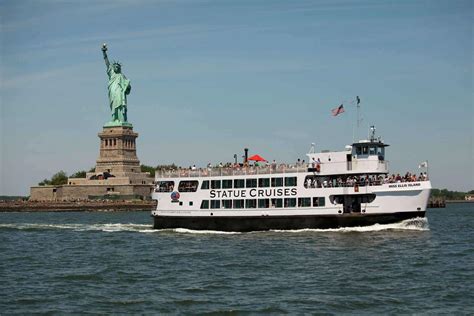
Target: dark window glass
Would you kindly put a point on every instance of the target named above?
(290, 202)
(165, 186)
(263, 203)
(263, 183)
(227, 184)
(278, 203)
(215, 204)
(238, 203)
(227, 203)
(277, 182)
(358, 150)
(251, 183)
(365, 150)
(191, 203)
(215, 184)
(239, 183)
(304, 202)
(290, 181)
(205, 185)
(318, 201)
(188, 186)
(250, 203)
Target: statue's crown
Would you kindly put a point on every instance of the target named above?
(116, 62)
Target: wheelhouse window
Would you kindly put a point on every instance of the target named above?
(226, 203)
(263, 203)
(215, 204)
(239, 183)
(277, 203)
(318, 201)
(238, 203)
(165, 186)
(263, 182)
(277, 182)
(251, 183)
(365, 150)
(227, 184)
(304, 202)
(215, 184)
(290, 202)
(290, 181)
(251, 203)
(205, 185)
(204, 204)
(188, 186)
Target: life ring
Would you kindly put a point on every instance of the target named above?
(356, 188)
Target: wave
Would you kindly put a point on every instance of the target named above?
(115, 227)
(414, 224)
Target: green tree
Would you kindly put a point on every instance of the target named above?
(79, 174)
(150, 169)
(59, 178)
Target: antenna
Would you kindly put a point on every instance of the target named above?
(312, 149)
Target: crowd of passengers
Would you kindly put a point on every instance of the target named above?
(349, 181)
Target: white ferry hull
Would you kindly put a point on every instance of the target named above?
(262, 223)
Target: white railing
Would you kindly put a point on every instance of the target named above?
(327, 168)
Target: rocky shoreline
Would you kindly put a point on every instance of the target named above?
(76, 206)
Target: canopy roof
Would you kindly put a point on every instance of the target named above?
(257, 158)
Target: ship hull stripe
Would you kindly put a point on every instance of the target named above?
(259, 223)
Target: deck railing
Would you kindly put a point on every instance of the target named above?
(229, 171)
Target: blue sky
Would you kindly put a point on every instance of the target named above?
(212, 77)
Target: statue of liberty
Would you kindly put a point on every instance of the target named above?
(119, 87)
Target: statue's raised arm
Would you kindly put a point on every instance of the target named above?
(104, 52)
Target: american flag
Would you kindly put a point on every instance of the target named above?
(338, 110)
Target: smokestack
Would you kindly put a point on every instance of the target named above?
(246, 154)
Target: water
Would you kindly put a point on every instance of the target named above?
(115, 263)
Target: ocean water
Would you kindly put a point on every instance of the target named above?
(113, 263)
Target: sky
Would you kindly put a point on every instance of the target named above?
(210, 78)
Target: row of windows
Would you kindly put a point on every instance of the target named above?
(249, 183)
(263, 203)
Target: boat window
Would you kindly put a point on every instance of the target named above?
(263, 203)
(226, 203)
(238, 203)
(165, 186)
(251, 183)
(205, 204)
(381, 152)
(372, 150)
(205, 185)
(290, 181)
(277, 182)
(311, 182)
(318, 201)
(304, 202)
(367, 198)
(215, 204)
(188, 186)
(215, 184)
(263, 182)
(365, 150)
(227, 184)
(239, 183)
(278, 203)
(251, 203)
(290, 202)
(358, 150)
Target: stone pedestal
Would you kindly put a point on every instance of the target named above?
(118, 152)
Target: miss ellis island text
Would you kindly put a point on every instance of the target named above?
(253, 193)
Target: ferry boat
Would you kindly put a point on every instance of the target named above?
(334, 189)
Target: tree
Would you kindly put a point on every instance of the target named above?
(59, 178)
(150, 169)
(79, 174)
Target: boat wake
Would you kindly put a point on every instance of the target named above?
(414, 224)
(116, 227)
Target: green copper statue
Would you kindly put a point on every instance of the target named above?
(119, 87)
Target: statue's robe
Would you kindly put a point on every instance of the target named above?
(119, 87)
